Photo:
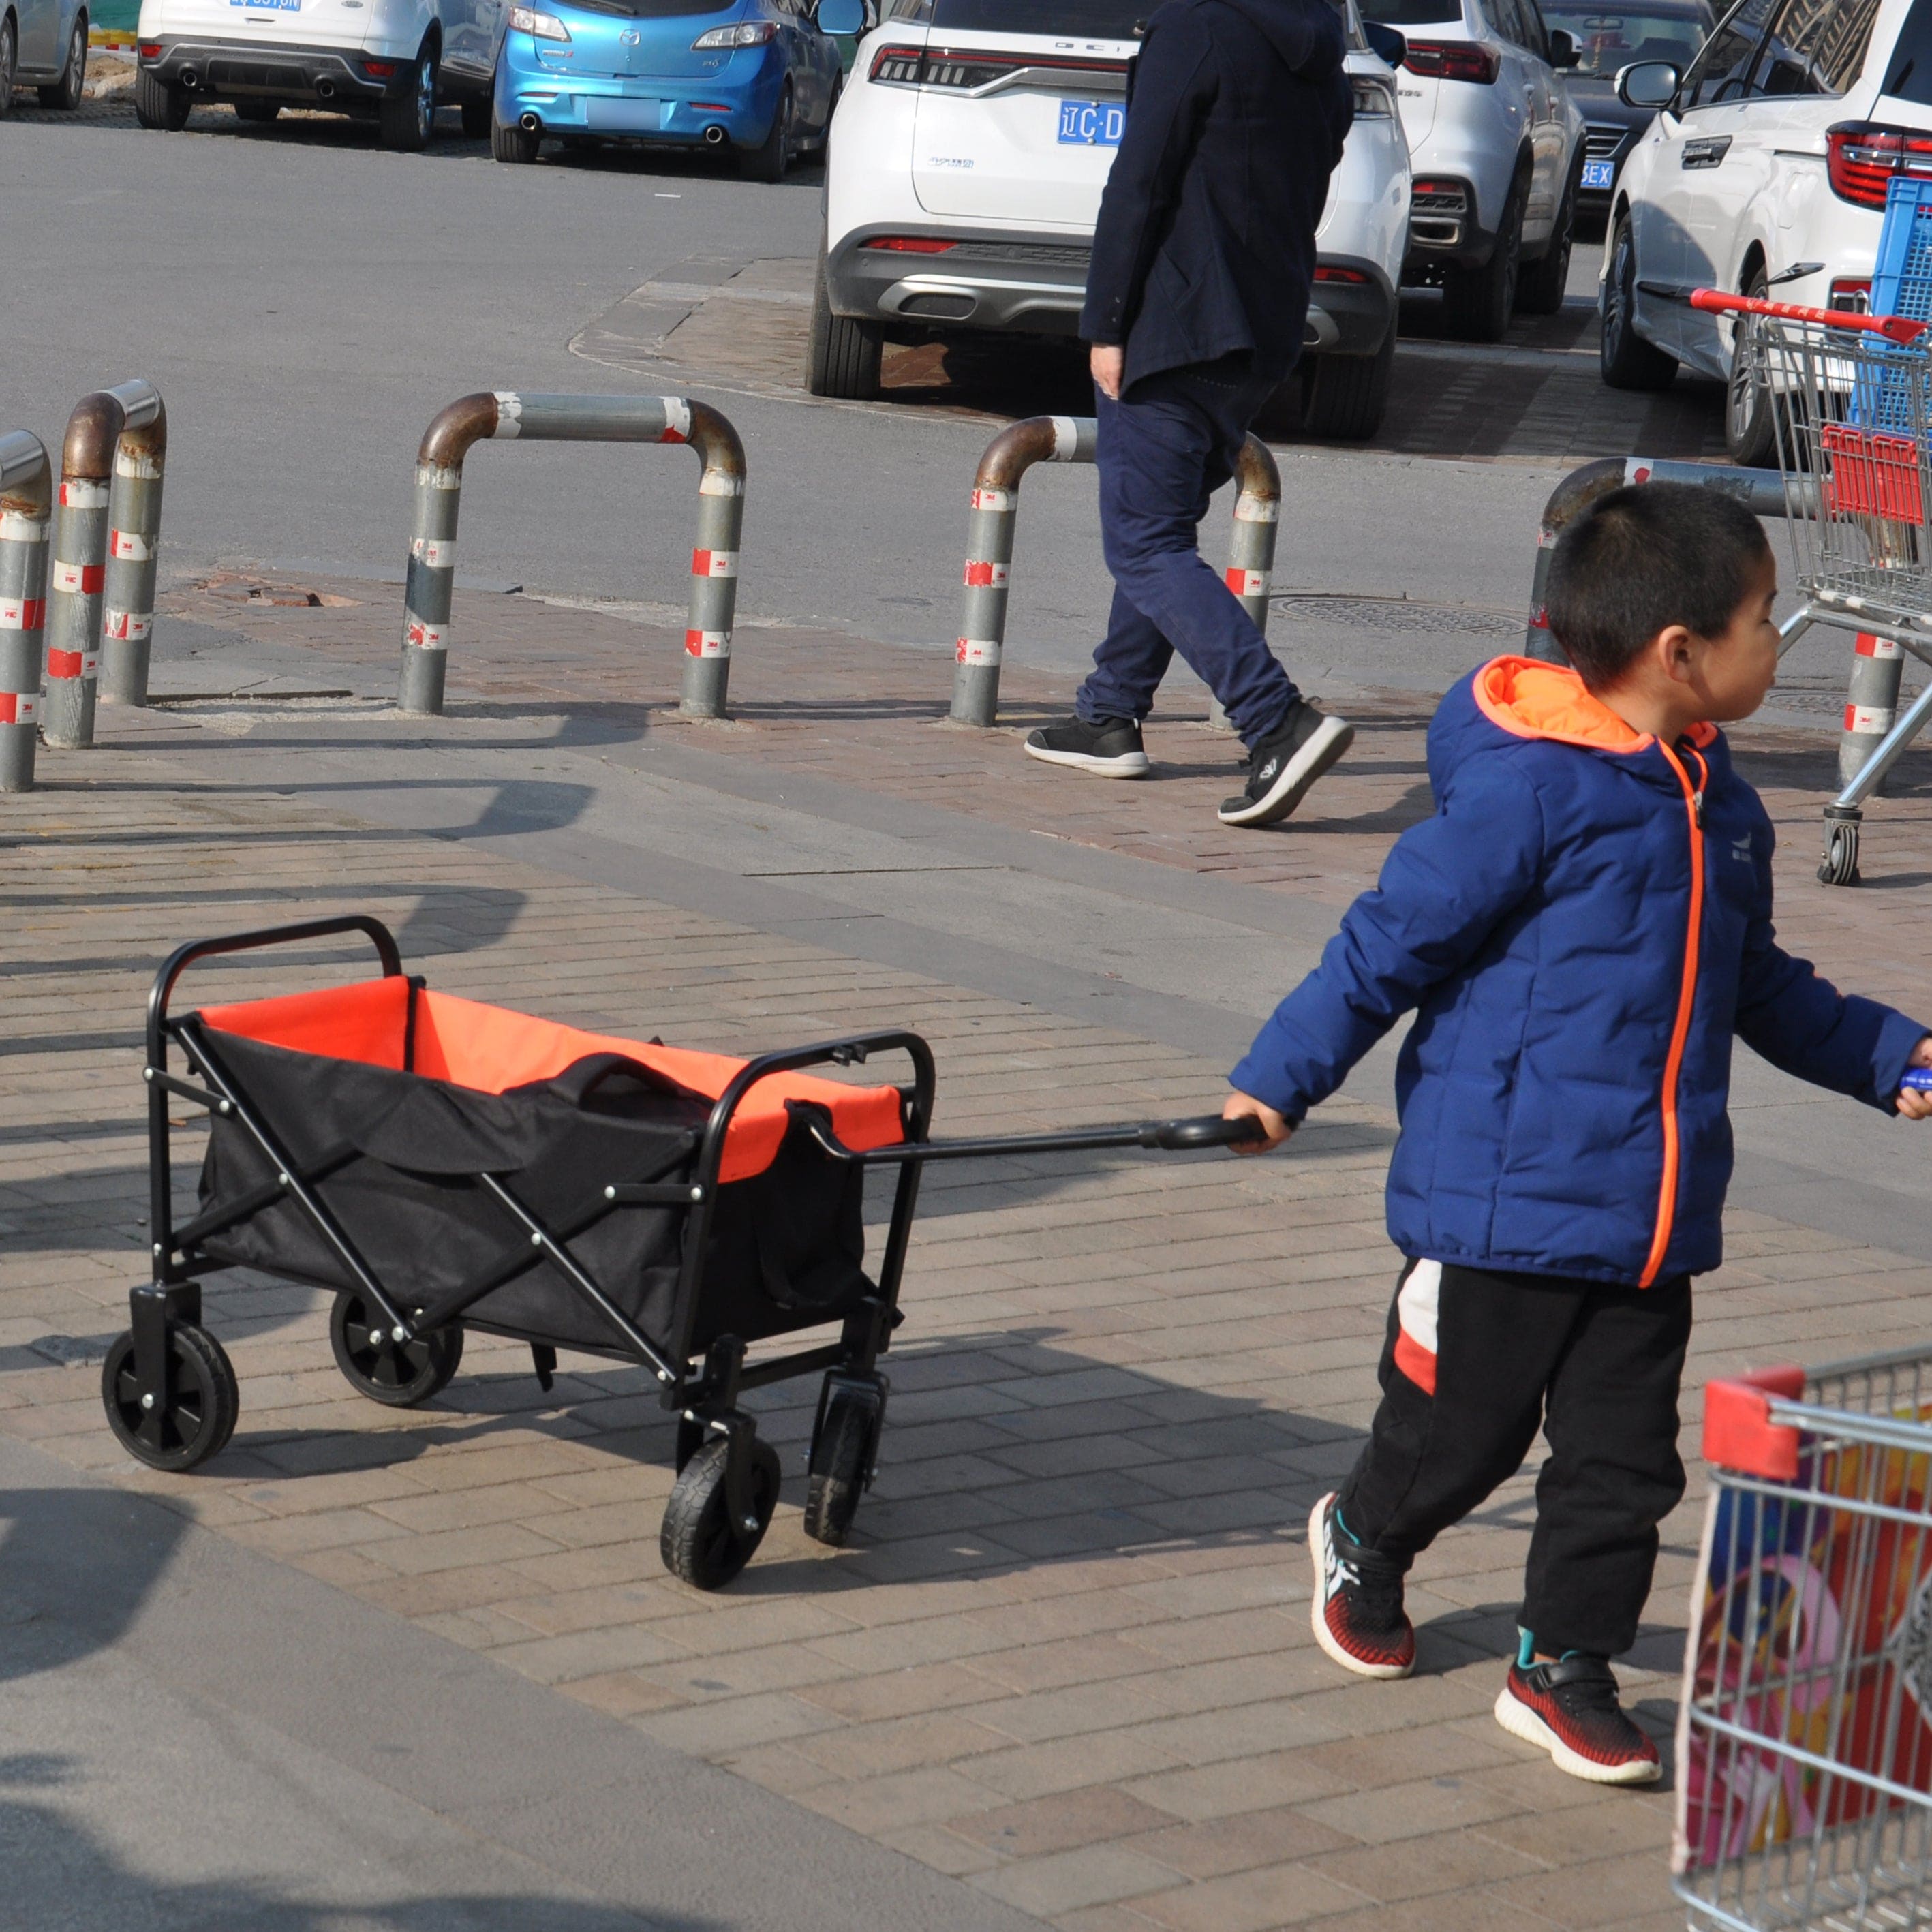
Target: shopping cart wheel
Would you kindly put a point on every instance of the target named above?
(196, 1420)
(397, 1374)
(1841, 864)
(701, 1542)
(842, 1448)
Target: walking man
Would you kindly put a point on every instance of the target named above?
(1203, 257)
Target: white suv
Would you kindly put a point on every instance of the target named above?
(1497, 145)
(964, 178)
(1772, 154)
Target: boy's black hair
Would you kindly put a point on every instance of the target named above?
(1648, 556)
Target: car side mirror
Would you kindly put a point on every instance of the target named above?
(1563, 49)
(1648, 84)
(840, 16)
(1386, 41)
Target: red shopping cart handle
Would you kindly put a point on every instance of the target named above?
(1715, 301)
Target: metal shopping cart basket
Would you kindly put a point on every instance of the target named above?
(1804, 1737)
(444, 1166)
(1851, 402)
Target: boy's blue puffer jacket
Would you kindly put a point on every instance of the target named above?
(1580, 953)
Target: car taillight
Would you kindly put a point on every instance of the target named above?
(151, 49)
(909, 244)
(1373, 95)
(1453, 60)
(1861, 159)
(1852, 294)
(965, 69)
(1326, 272)
(379, 70)
(1436, 194)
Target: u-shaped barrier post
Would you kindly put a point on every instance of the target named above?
(26, 508)
(504, 415)
(989, 545)
(134, 540)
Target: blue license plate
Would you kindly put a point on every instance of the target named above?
(1600, 174)
(1092, 124)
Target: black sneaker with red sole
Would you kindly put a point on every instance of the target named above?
(1356, 1614)
(1571, 1710)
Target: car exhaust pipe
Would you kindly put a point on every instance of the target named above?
(714, 136)
(530, 124)
(325, 90)
(190, 79)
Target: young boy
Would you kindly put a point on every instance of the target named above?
(1581, 927)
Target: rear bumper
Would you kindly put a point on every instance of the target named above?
(1028, 284)
(1350, 318)
(664, 111)
(1444, 226)
(253, 70)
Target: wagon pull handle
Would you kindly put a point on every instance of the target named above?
(1898, 328)
(1207, 1130)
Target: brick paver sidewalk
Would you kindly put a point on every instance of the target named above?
(1067, 1656)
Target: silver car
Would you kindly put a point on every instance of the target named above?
(43, 44)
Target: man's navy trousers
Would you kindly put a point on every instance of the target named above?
(1163, 450)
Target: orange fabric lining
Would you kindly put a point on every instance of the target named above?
(489, 1049)
(1529, 699)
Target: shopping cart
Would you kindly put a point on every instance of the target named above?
(1805, 1738)
(445, 1165)
(1851, 402)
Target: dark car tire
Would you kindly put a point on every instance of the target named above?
(1540, 287)
(1348, 395)
(479, 116)
(407, 114)
(511, 144)
(1750, 419)
(67, 92)
(1627, 361)
(769, 161)
(157, 105)
(9, 60)
(844, 356)
(1477, 303)
(257, 113)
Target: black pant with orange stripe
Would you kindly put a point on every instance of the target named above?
(1476, 1361)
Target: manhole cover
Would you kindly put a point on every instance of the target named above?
(1399, 614)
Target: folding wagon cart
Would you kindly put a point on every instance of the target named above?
(443, 1166)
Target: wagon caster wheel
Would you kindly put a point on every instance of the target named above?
(841, 1456)
(398, 1375)
(690, 1439)
(194, 1423)
(1840, 865)
(700, 1542)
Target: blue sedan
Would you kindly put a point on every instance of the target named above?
(757, 77)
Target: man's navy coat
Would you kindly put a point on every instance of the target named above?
(1205, 244)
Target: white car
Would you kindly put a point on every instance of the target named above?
(379, 60)
(963, 178)
(1497, 146)
(1772, 154)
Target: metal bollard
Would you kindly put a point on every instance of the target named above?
(989, 546)
(504, 415)
(1871, 704)
(79, 572)
(26, 505)
(133, 541)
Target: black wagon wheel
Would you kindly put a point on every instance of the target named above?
(840, 1451)
(1840, 866)
(399, 1375)
(701, 1543)
(192, 1423)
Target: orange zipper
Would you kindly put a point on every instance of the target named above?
(1673, 1063)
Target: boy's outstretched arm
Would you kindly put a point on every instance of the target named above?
(1445, 886)
(1802, 1023)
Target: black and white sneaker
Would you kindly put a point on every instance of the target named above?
(1110, 747)
(1282, 768)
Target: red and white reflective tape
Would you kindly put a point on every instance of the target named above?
(136, 462)
(1066, 438)
(132, 626)
(1869, 647)
(74, 664)
(129, 546)
(434, 552)
(1868, 717)
(677, 419)
(993, 500)
(22, 614)
(80, 579)
(17, 527)
(425, 637)
(716, 482)
(1634, 472)
(985, 576)
(19, 707)
(1257, 509)
(978, 651)
(707, 643)
(82, 495)
(509, 414)
(714, 563)
(1247, 583)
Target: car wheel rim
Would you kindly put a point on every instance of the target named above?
(426, 99)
